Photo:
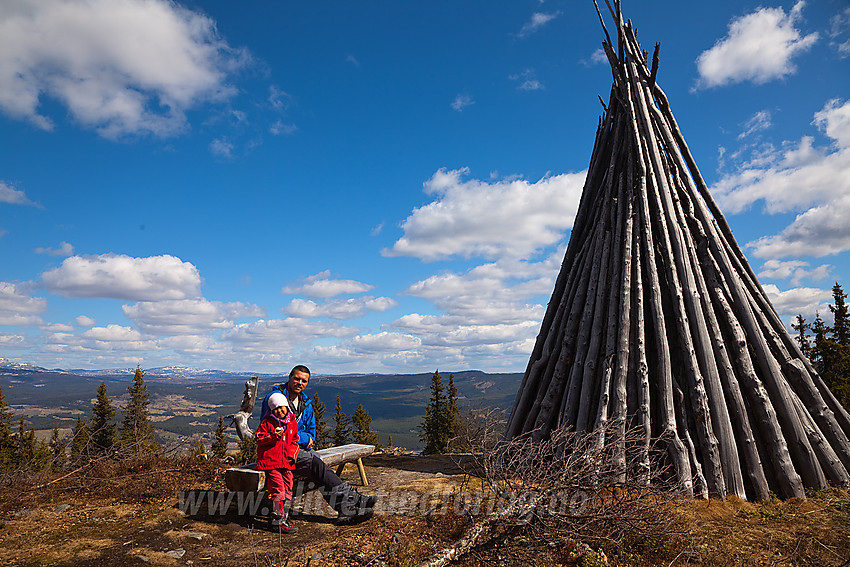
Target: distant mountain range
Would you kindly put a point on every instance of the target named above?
(161, 373)
(186, 402)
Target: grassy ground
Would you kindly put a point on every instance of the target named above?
(127, 514)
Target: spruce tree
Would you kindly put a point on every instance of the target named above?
(452, 410)
(361, 423)
(25, 446)
(342, 426)
(247, 450)
(137, 432)
(57, 451)
(80, 442)
(322, 433)
(101, 425)
(7, 448)
(801, 327)
(841, 323)
(219, 444)
(433, 428)
(442, 416)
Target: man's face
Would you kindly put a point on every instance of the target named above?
(297, 382)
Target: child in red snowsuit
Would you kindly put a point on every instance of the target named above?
(277, 448)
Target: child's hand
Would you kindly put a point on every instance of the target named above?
(279, 431)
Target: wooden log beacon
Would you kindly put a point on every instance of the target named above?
(657, 322)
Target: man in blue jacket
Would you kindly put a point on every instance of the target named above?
(341, 496)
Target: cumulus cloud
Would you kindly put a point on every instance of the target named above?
(758, 47)
(128, 67)
(338, 308)
(800, 177)
(805, 301)
(795, 270)
(320, 286)
(461, 101)
(279, 128)
(112, 338)
(9, 194)
(537, 21)
(84, 321)
(124, 277)
(281, 335)
(512, 217)
(188, 316)
(64, 249)
(17, 307)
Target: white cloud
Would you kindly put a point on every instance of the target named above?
(279, 128)
(839, 33)
(758, 122)
(461, 101)
(759, 47)
(800, 177)
(187, 316)
(353, 60)
(538, 20)
(320, 286)
(793, 269)
(112, 338)
(527, 81)
(512, 217)
(802, 300)
(281, 335)
(127, 67)
(124, 277)
(64, 249)
(84, 321)
(338, 308)
(9, 194)
(222, 148)
(17, 307)
(58, 327)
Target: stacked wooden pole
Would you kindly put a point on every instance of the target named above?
(658, 323)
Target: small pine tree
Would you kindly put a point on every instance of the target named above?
(7, 448)
(801, 327)
(819, 330)
(362, 432)
(80, 442)
(137, 432)
(219, 445)
(390, 440)
(57, 451)
(198, 449)
(432, 429)
(322, 433)
(247, 450)
(101, 425)
(342, 425)
(25, 449)
(453, 418)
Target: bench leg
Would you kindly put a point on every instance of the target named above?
(362, 472)
(339, 470)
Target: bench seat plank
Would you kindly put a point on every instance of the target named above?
(248, 479)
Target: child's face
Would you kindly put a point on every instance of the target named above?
(280, 412)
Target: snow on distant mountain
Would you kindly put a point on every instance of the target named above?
(163, 373)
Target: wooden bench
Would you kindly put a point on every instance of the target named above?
(248, 479)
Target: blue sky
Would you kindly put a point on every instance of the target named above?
(375, 187)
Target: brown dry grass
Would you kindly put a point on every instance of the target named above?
(117, 512)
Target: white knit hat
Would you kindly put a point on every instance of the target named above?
(276, 400)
